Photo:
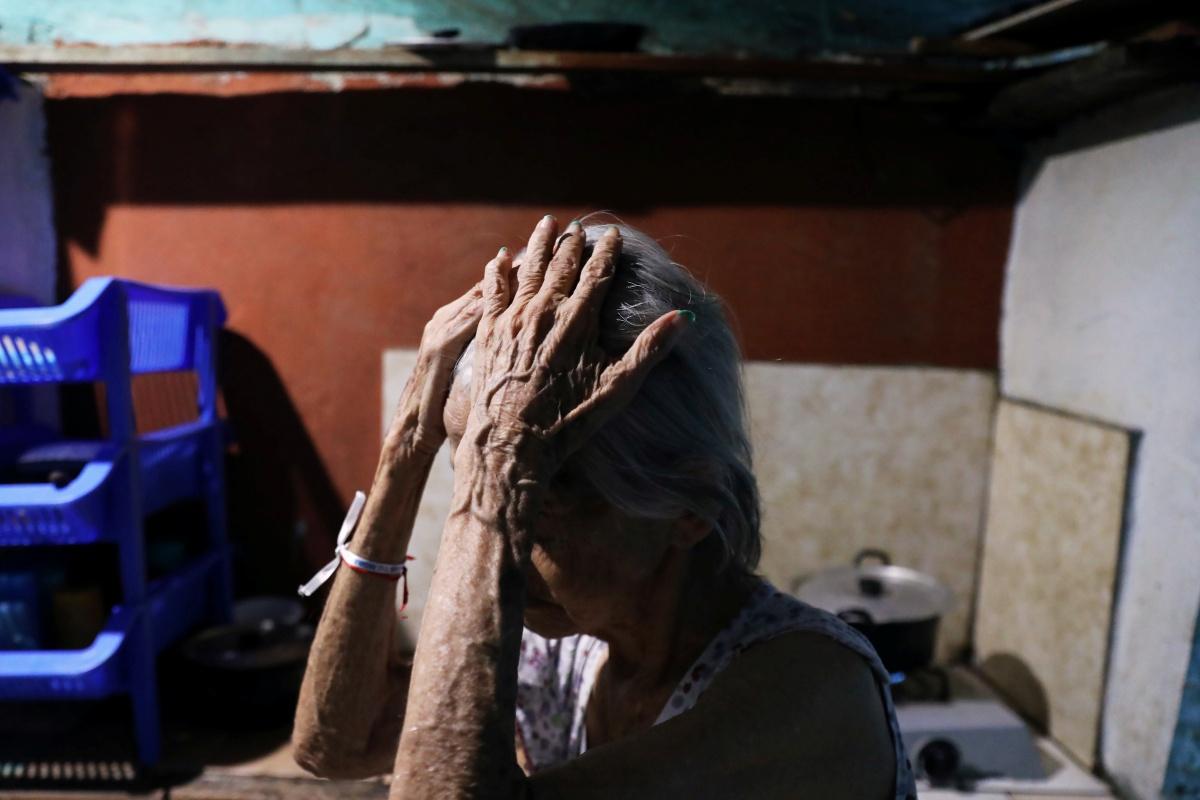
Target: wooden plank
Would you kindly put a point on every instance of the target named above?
(91, 794)
(1063, 23)
(93, 83)
(1007, 24)
(202, 58)
(1113, 74)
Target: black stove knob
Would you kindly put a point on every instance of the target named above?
(939, 760)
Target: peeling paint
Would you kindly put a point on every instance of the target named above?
(60, 85)
(750, 27)
(271, 23)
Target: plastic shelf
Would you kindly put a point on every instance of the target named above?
(44, 514)
(177, 463)
(168, 329)
(95, 671)
(174, 605)
(108, 331)
(181, 600)
(174, 464)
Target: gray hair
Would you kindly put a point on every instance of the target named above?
(681, 445)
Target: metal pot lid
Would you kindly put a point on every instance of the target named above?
(884, 592)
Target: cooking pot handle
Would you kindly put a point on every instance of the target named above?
(872, 552)
(858, 617)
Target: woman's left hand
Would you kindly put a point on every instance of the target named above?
(541, 382)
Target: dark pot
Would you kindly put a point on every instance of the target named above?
(248, 673)
(898, 609)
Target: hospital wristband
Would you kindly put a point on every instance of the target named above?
(364, 566)
(392, 572)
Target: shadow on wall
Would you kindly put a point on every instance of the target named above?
(1020, 686)
(496, 144)
(279, 489)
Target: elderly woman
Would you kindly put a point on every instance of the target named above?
(595, 627)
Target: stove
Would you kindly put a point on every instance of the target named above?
(958, 732)
(962, 737)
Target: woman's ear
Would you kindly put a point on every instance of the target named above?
(689, 530)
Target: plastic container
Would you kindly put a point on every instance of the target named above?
(167, 329)
(82, 492)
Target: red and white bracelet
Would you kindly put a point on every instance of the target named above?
(363, 566)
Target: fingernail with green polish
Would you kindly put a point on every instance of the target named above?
(690, 316)
(503, 251)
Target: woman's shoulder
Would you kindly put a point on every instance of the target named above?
(772, 615)
(781, 641)
(823, 705)
(828, 690)
(802, 661)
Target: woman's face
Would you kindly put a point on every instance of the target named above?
(590, 564)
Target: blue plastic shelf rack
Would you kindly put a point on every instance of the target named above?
(174, 464)
(108, 331)
(167, 329)
(110, 664)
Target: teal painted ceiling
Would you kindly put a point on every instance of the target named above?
(752, 27)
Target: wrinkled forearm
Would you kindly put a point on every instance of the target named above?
(459, 724)
(353, 694)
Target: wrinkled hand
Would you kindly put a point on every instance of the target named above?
(541, 383)
(417, 426)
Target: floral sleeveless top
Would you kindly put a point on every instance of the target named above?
(555, 677)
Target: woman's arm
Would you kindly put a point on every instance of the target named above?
(795, 717)
(356, 683)
(458, 738)
(540, 384)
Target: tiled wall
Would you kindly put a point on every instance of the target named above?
(846, 458)
(852, 457)
(1054, 520)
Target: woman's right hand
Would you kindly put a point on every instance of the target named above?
(417, 428)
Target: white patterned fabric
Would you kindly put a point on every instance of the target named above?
(555, 677)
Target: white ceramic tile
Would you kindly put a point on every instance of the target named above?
(855, 457)
(1049, 567)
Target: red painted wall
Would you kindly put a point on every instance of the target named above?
(335, 224)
